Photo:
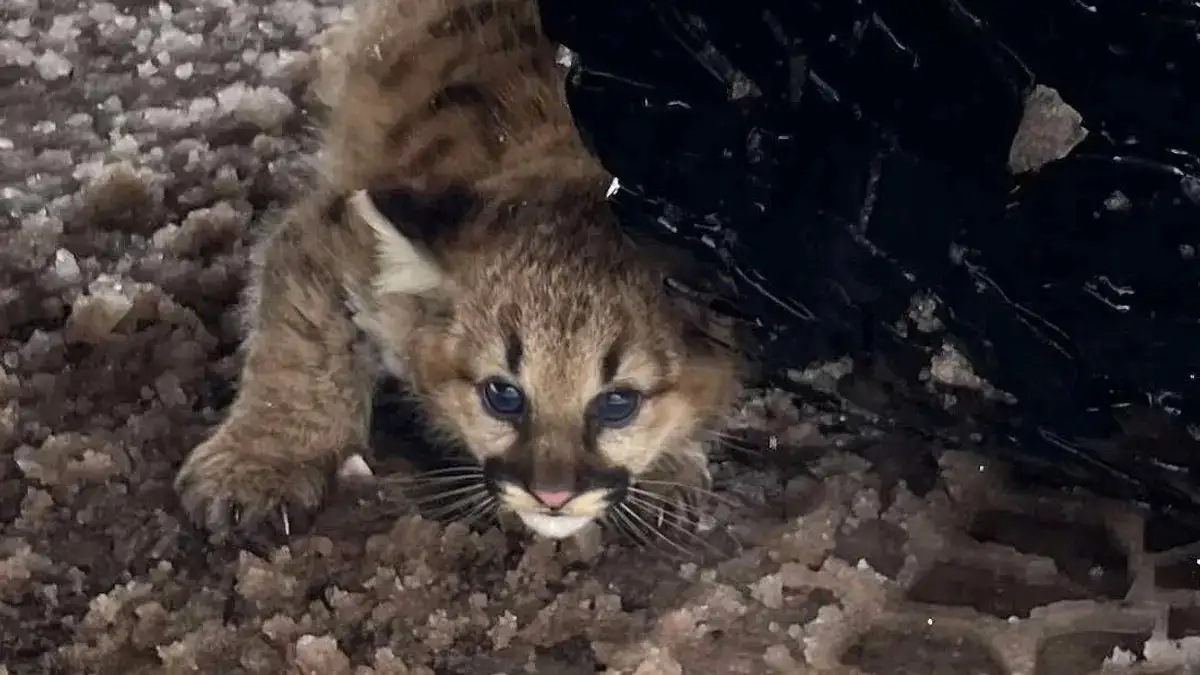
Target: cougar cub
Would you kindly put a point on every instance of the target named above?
(460, 239)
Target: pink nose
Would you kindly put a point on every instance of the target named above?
(553, 498)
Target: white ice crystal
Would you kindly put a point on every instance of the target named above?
(51, 65)
(66, 267)
(20, 28)
(264, 107)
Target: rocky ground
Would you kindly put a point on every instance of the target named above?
(141, 145)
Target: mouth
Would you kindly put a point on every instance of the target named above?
(556, 512)
(554, 526)
(554, 522)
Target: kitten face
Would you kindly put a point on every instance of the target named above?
(554, 357)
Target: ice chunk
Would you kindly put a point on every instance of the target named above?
(320, 656)
(102, 12)
(20, 28)
(95, 315)
(769, 591)
(780, 658)
(66, 267)
(20, 565)
(264, 107)
(660, 662)
(79, 120)
(63, 30)
(51, 65)
(387, 663)
(15, 53)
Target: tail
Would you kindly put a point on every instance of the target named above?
(428, 91)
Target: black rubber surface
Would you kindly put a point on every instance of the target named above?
(835, 158)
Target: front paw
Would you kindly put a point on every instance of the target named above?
(227, 486)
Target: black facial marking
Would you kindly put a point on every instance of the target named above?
(615, 479)
(514, 351)
(524, 428)
(612, 361)
(591, 433)
(518, 469)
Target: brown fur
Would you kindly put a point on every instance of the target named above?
(500, 231)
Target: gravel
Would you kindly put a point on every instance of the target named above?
(142, 147)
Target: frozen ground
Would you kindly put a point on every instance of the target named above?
(140, 144)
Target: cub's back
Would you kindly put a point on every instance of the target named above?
(429, 91)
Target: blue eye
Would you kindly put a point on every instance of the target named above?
(501, 399)
(616, 408)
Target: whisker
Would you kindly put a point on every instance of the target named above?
(706, 545)
(472, 468)
(738, 443)
(620, 524)
(647, 535)
(425, 495)
(474, 488)
(671, 463)
(652, 530)
(720, 433)
(452, 512)
(628, 530)
(444, 494)
(675, 523)
(434, 486)
(484, 508)
(664, 510)
(638, 534)
(446, 473)
(420, 482)
(458, 505)
(450, 470)
(656, 498)
(693, 489)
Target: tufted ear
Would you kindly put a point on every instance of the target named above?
(409, 227)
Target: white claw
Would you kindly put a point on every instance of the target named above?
(355, 467)
(287, 523)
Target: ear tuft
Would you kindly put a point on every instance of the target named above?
(408, 225)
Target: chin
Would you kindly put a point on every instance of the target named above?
(554, 527)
